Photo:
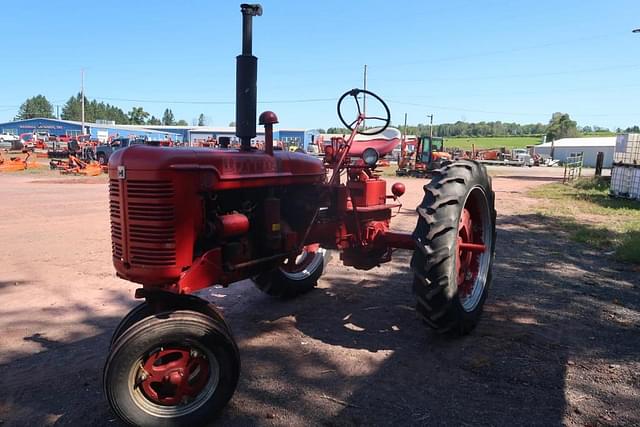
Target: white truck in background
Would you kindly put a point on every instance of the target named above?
(8, 141)
(522, 155)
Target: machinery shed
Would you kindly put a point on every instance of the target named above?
(194, 134)
(201, 133)
(100, 131)
(565, 147)
(104, 132)
(189, 134)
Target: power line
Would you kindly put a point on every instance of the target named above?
(199, 102)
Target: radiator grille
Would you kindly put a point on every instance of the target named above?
(150, 222)
(116, 219)
(150, 189)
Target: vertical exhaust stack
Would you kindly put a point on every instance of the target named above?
(246, 80)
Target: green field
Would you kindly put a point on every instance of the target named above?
(497, 142)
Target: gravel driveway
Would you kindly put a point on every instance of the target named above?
(559, 342)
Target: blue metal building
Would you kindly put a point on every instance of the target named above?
(192, 134)
(189, 134)
(98, 131)
(52, 126)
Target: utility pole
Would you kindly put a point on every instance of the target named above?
(405, 127)
(403, 143)
(364, 98)
(430, 125)
(82, 95)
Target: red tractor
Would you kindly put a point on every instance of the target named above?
(186, 219)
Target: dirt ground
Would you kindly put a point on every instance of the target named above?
(559, 342)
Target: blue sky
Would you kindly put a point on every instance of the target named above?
(460, 59)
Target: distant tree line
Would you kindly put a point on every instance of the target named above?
(39, 106)
(479, 129)
(560, 126)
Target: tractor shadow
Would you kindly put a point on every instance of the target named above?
(60, 384)
(353, 351)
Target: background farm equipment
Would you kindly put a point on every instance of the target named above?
(505, 157)
(75, 166)
(186, 219)
(81, 147)
(16, 164)
(429, 155)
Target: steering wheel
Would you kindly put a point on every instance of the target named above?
(354, 93)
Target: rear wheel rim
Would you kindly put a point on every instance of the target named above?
(473, 249)
(174, 380)
(304, 264)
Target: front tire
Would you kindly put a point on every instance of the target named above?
(455, 236)
(167, 302)
(295, 276)
(178, 368)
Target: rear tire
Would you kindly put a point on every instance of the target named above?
(178, 368)
(451, 282)
(288, 281)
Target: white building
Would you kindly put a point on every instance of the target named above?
(565, 147)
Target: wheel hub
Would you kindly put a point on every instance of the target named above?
(173, 375)
(299, 263)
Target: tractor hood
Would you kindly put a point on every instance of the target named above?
(223, 169)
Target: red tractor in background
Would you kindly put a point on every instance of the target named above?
(186, 219)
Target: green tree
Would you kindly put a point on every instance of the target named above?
(72, 110)
(561, 126)
(93, 110)
(154, 121)
(232, 124)
(202, 120)
(137, 116)
(37, 106)
(338, 130)
(600, 129)
(167, 118)
(182, 122)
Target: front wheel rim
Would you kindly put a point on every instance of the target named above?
(473, 249)
(174, 380)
